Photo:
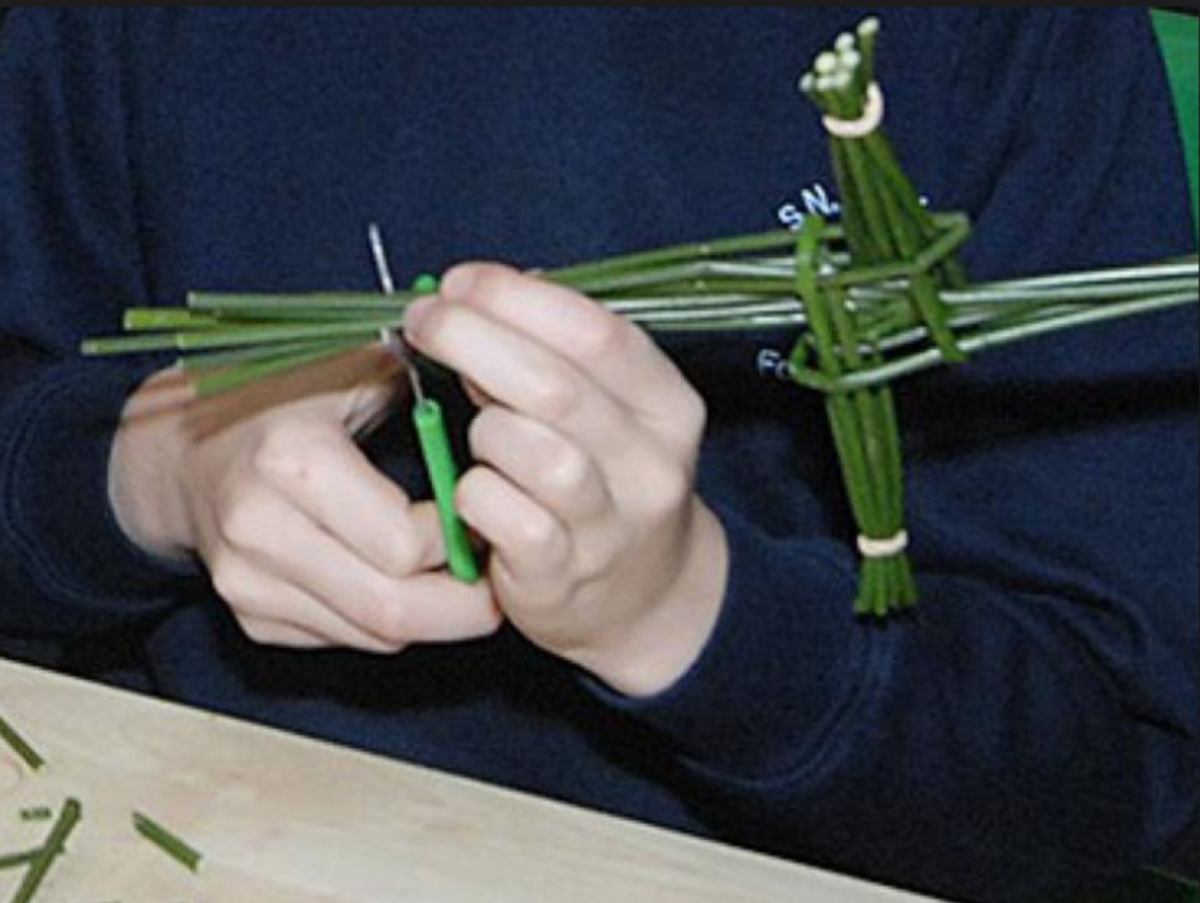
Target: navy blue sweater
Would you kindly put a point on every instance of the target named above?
(1034, 725)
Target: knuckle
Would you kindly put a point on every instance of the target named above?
(594, 560)
(297, 456)
(278, 452)
(567, 472)
(404, 551)
(555, 398)
(243, 523)
(389, 621)
(491, 280)
(667, 487)
(231, 581)
(607, 338)
(539, 532)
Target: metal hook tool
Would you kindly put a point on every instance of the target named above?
(431, 432)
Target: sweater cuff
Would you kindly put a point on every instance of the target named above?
(60, 515)
(785, 667)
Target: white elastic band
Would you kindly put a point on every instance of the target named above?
(867, 125)
(876, 549)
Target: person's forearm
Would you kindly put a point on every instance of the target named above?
(65, 565)
(851, 749)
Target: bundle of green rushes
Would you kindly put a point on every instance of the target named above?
(876, 298)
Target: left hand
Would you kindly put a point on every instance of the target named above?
(586, 445)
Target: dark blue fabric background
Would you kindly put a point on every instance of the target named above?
(1033, 726)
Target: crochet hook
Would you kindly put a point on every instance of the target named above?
(431, 433)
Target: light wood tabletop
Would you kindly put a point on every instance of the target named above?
(282, 819)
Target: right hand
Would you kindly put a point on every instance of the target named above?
(306, 541)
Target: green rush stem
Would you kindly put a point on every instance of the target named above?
(868, 589)
(869, 275)
(876, 218)
(843, 416)
(998, 297)
(284, 317)
(233, 337)
(868, 240)
(893, 180)
(888, 425)
(695, 276)
(868, 42)
(937, 318)
(943, 248)
(718, 284)
(881, 592)
(68, 821)
(680, 304)
(902, 592)
(1100, 285)
(910, 234)
(868, 428)
(579, 275)
(843, 422)
(156, 319)
(811, 293)
(220, 360)
(688, 296)
(254, 371)
(250, 335)
(20, 746)
(1188, 267)
(954, 273)
(168, 843)
(890, 429)
(882, 583)
(786, 310)
(987, 340)
(875, 588)
(854, 423)
(976, 316)
(126, 345)
(353, 302)
(901, 223)
(18, 860)
(857, 232)
(881, 153)
(701, 327)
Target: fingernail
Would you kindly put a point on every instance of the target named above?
(416, 314)
(457, 284)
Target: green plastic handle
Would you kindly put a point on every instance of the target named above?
(443, 475)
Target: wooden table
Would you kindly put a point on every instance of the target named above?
(286, 820)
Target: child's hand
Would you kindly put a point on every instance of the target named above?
(587, 447)
(309, 545)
